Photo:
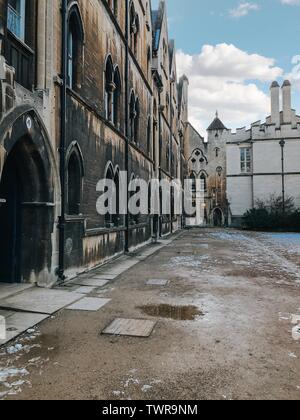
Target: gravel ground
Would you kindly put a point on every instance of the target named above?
(224, 330)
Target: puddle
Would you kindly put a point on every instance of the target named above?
(178, 313)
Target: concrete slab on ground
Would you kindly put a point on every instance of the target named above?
(7, 289)
(38, 300)
(157, 282)
(92, 282)
(104, 277)
(18, 323)
(85, 290)
(89, 304)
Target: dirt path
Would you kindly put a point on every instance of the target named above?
(234, 341)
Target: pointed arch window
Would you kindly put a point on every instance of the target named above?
(132, 115)
(112, 217)
(149, 151)
(75, 48)
(168, 154)
(74, 182)
(116, 107)
(109, 215)
(134, 30)
(134, 218)
(193, 179)
(109, 89)
(116, 218)
(113, 91)
(203, 179)
(148, 61)
(137, 121)
(134, 118)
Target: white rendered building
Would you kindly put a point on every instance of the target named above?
(264, 160)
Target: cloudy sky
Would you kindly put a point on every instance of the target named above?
(231, 51)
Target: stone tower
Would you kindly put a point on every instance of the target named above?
(207, 163)
(216, 201)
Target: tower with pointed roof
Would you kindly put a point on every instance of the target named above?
(207, 162)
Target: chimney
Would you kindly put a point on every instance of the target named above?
(275, 110)
(287, 102)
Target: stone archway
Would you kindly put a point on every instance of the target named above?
(27, 209)
(217, 217)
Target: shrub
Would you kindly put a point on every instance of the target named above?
(273, 214)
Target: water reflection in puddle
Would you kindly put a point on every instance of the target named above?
(179, 313)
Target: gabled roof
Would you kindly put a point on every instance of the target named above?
(216, 124)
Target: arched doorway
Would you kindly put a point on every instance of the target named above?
(217, 218)
(26, 211)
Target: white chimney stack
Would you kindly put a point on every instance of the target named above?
(275, 104)
(287, 102)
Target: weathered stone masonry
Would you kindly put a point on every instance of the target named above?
(113, 122)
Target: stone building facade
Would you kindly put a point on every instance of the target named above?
(88, 89)
(207, 165)
(264, 160)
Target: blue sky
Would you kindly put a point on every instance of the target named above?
(267, 28)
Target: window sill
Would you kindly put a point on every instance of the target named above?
(103, 231)
(74, 218)
(21, 42)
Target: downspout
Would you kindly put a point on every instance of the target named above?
(282, 145)
(127, 121)
(62, 147)
(171, 148)
(160, 160)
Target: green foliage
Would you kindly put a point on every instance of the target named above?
(273, 214)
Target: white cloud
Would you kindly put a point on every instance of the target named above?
(291, 2)
(222, 78)
(243, 9)
(294, 75)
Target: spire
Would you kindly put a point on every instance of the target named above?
(216, 124)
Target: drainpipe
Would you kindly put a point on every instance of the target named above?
(127, 121)
(171, 144)
(160, 160)
(62, 147)
(282, 145)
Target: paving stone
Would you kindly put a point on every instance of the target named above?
(85, 290)
(38, 300)
(7, 290)
(103, 277)
(92, 282)
(130, 328)
(157, 282)
(89, 304)
(18, 323)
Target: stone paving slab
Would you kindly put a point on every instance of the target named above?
(89, 304)
(157, 282)
(130, 328)
(18, 323)
(85, 290)
(7, 290)
(104, 277)
(92, 282)
(38, 300)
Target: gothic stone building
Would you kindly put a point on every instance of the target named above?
(264, 160)
(207, 165)
(87, 89)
